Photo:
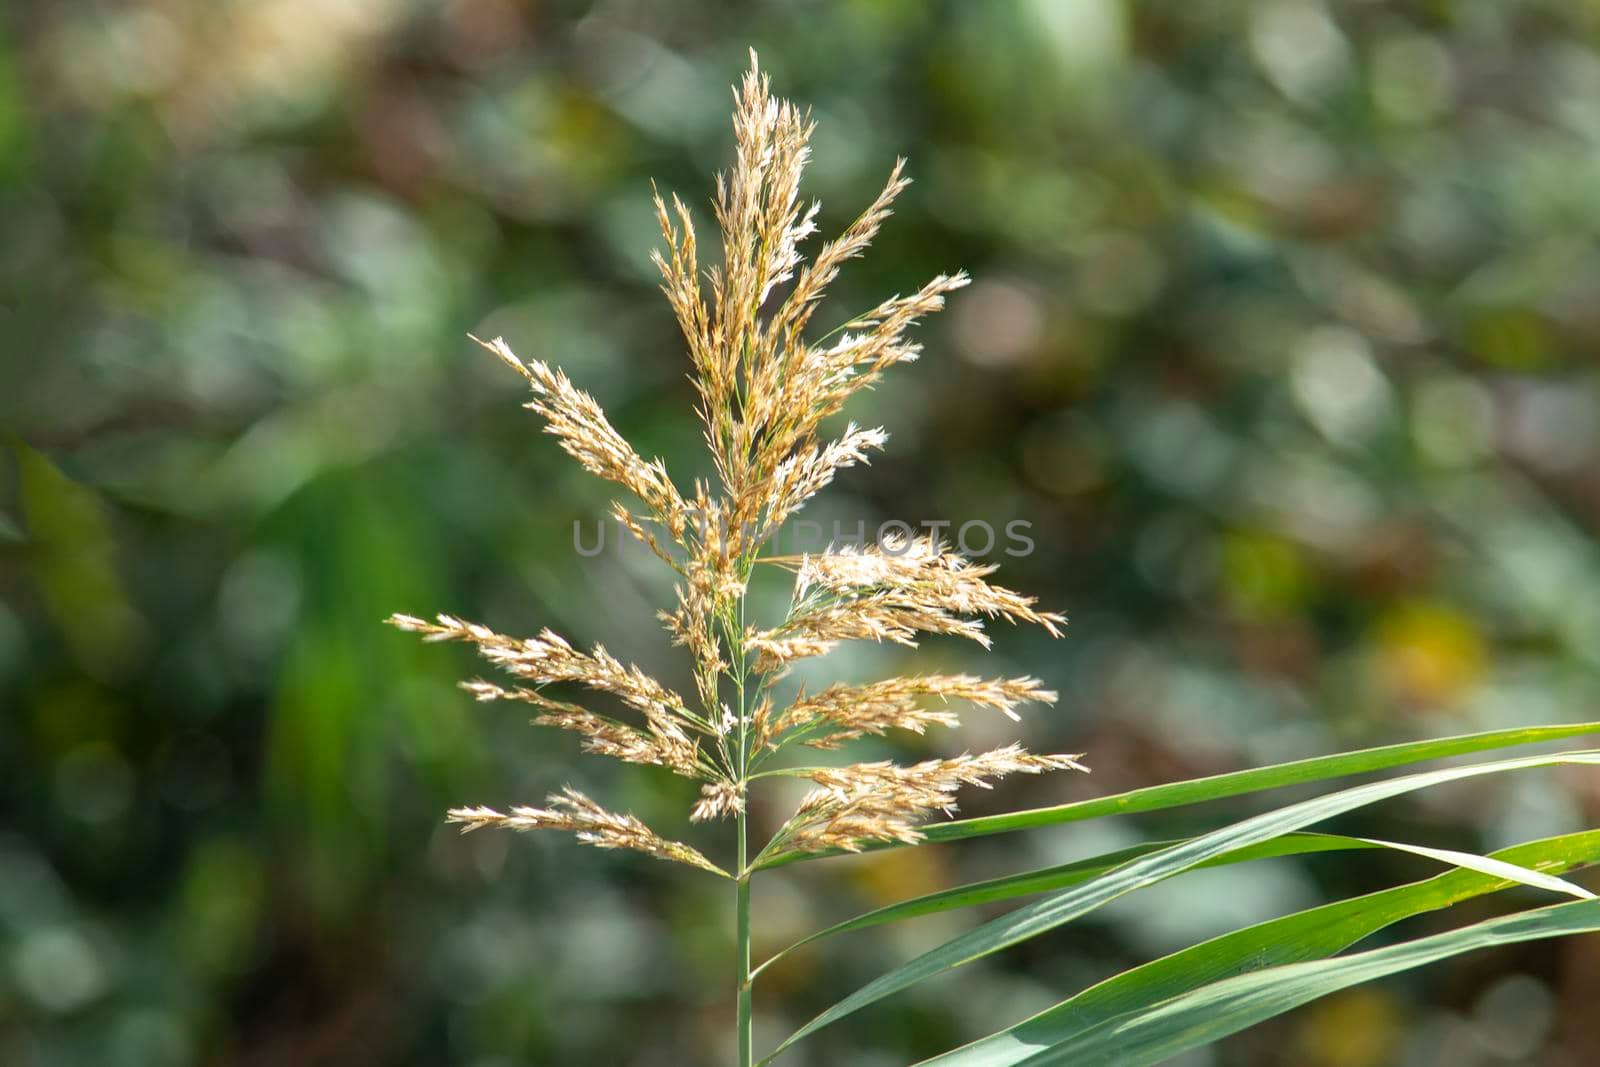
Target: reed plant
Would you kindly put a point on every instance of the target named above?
(766, 391)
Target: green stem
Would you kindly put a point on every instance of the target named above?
(742, 890)
(742, 911)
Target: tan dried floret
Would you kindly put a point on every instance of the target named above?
(718, 800)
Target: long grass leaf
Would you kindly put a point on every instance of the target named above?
(1042, 916)
(1306, 935)
(1222, 1008)
(1063, 875)
(1231, 784)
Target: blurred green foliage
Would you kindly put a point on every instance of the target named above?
(1282, 338)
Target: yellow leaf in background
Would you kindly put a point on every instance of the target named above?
(1359, 1028)
(894, 876)
(1429, 653)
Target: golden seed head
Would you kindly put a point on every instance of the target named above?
(763, 391)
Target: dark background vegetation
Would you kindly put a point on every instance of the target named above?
(1283, 338)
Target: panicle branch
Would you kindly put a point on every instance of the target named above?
(602, 734)
(821, 379)
(884, 801)
(890, 592)
(806, 472)
(881, 616)
(549, 658)
(842, 713)
(922, 571)
(594, 825)
(574, 417)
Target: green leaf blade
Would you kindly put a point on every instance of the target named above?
(1063, 876)
(1042, 916)
(1226, 1007)
(1315, 933)
(1232, 784)
(1494, 868)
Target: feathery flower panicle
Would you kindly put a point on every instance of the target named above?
(763, 390)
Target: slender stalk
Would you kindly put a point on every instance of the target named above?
(742, 890)
(742, 912)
